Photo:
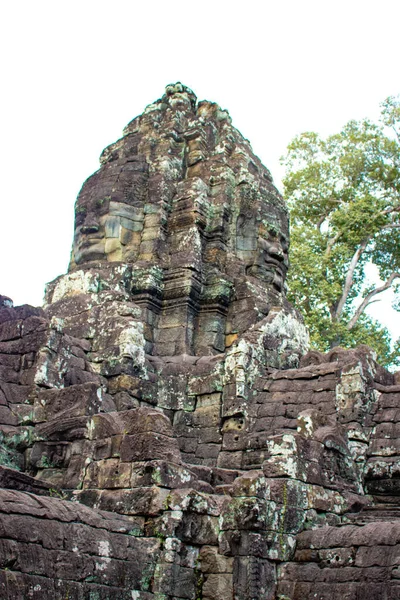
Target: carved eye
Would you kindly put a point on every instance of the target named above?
(273, 232)
(80, 215)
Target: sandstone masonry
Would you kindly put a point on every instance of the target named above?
(165, 433)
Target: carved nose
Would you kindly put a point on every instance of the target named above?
(89, 227)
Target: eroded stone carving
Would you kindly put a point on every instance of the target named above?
(183, 199)
(165, 434)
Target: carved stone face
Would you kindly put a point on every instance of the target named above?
(106, 229)
(182, 192)
(108, 221)
(89, 235)
(271, 258)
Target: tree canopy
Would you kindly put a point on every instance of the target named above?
(344, 196)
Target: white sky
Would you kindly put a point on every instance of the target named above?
(74, 73)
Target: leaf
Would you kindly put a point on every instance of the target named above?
(344, 197)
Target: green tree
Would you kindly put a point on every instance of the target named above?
(344, 196)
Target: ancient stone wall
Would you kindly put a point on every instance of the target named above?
(164, 432)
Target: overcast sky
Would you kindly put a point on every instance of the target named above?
(75, 73)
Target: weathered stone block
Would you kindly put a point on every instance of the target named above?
(199, 529)
(108, 474)
(218, 587)
(213, 562)
(149, 446)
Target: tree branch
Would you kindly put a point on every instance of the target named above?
(391, 226)
(397, 134)
(390, 210)
(332, 242)
(349, 277)
(319, 224)
(368, 299)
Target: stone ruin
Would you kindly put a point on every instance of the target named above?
(165, 433)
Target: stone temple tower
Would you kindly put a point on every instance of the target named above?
(185, 205)
(164, 432)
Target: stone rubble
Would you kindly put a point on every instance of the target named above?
(165, 433)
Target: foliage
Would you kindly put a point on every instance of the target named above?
(344, 197)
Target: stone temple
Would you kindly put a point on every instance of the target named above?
(165, 432)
